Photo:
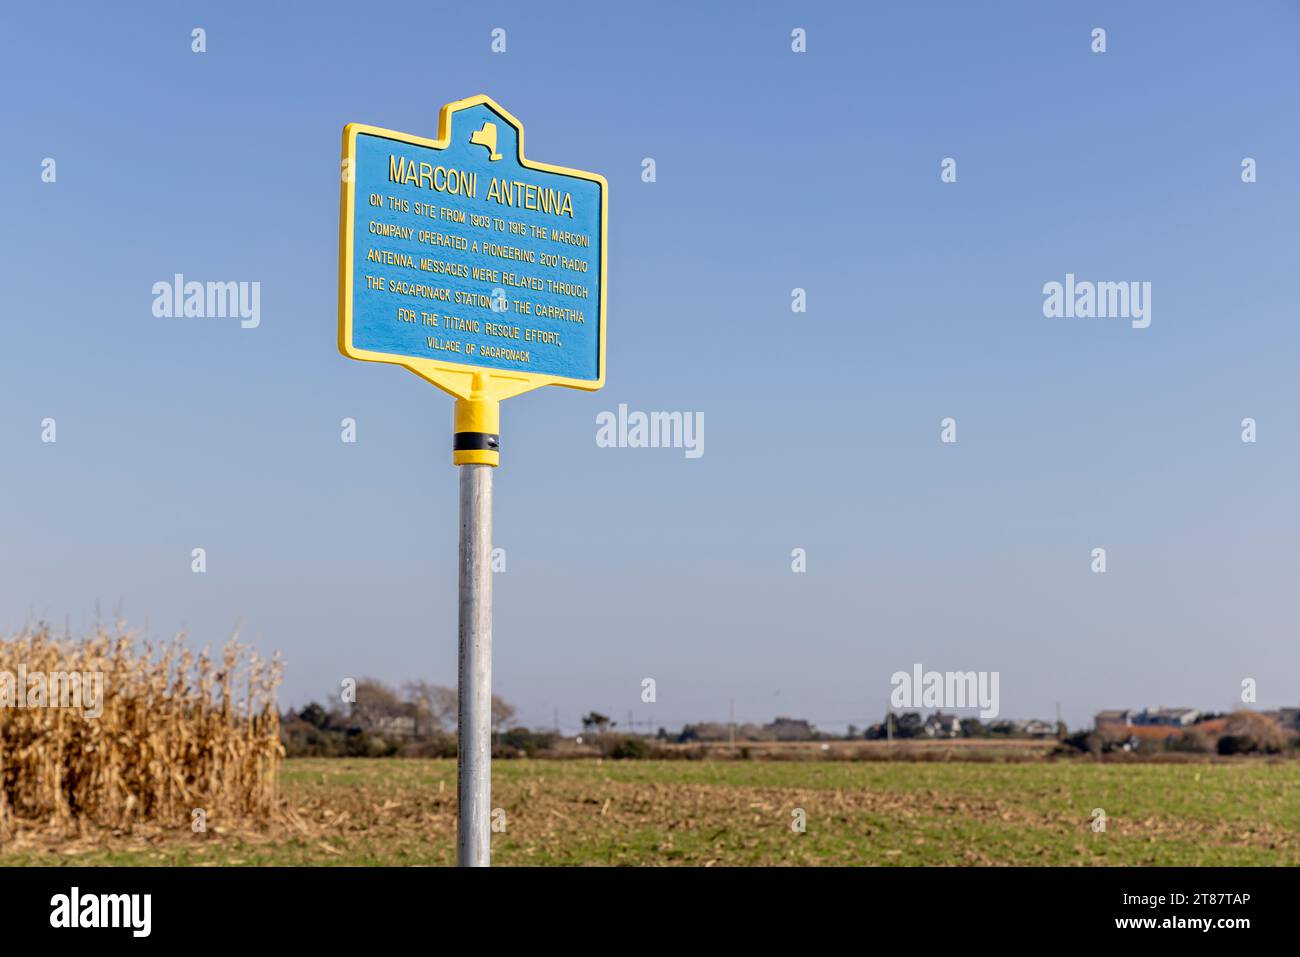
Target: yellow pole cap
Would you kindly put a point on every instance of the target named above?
(476, 428)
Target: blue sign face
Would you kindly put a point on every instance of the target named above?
(469, 255)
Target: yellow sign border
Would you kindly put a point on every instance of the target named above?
(454, 377)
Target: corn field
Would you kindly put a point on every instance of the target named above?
(171, 734)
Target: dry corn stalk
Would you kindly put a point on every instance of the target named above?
(169, 734)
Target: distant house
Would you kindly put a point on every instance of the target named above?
(1023, 728)
(1169, 717)
(394, 726)
(1120, 718)
(940, 725)
(1146, 718)
(1212, 726)
(1035, 728)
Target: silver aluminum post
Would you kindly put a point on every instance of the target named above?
(474, 705)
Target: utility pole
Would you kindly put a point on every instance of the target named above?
(731, 721)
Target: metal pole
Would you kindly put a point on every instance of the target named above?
(474, 705)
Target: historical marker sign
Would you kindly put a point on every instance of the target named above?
(483, 272)
(459, 255)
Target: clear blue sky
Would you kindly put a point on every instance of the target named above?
(775, 170)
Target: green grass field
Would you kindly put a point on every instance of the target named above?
(390, 811)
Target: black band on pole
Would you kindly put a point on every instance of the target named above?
(475, 442)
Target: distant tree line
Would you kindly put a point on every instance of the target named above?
(908, 724)
(417, 720)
